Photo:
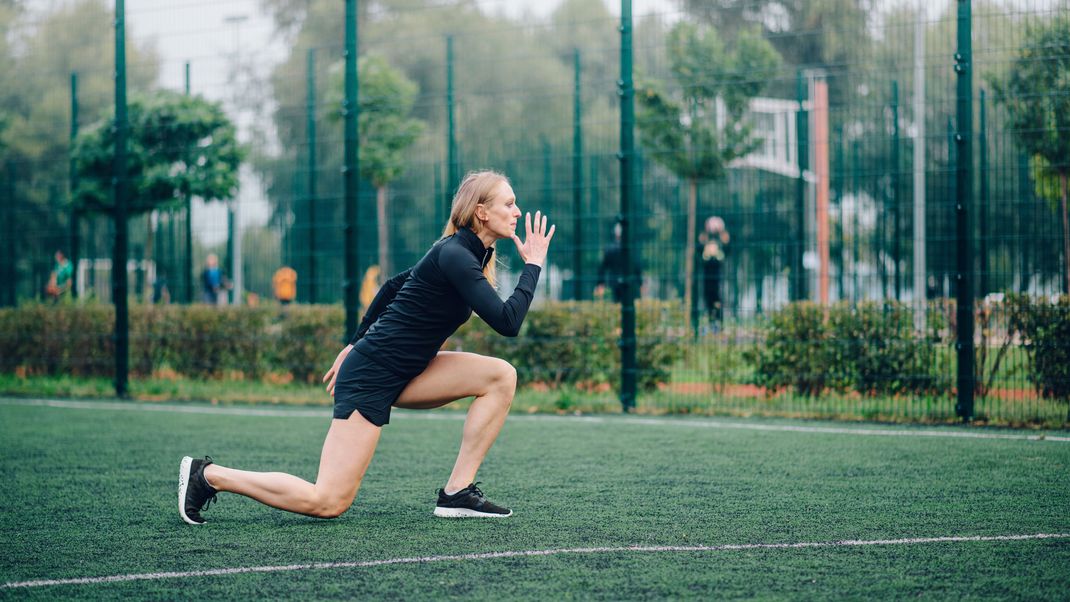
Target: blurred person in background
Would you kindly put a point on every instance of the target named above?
(713, 245)
(394, 360)
(212, 283)
(284, 285)
(60, 280)
(611, 270)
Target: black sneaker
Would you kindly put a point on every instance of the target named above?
(468, 503)
(194, 492)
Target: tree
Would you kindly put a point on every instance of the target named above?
(178, 146)
(39, 50)
(502, 77)
(386, 131)
(1036, 93)
(702, 127)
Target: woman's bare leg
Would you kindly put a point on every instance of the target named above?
(452, 376)
(347, 451)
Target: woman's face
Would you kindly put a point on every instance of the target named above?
(500, 213)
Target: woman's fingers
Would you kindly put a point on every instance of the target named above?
(519, 246)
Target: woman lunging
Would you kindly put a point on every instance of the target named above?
(394, 361)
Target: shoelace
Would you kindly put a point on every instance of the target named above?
(208, 460)
(475, 490)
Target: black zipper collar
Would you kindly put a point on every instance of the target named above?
(472, 242)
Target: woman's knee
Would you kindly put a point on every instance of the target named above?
(505, 374)
(331, 506)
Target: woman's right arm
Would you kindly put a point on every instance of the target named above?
(466, 275)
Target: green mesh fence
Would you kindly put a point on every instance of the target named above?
(793, 224)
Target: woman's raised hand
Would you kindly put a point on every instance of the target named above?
(332, 374)
(536, 241)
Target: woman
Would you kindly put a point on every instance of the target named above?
(394, 361)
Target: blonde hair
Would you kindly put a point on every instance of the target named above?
(475, 190)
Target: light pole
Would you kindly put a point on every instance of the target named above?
(234, 239)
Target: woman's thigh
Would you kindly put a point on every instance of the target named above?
(452, 375)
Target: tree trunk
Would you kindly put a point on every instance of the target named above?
(689, 247)
(384, 233)
(1066, 234)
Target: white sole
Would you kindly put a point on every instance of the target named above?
(183, 483)
(467, 513)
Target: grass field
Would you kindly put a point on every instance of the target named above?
(89, 491)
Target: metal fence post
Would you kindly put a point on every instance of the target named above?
(310, 114)
(73, 183)
(351, 178)
(627, 191)
(10, 270)
(453, 179)
(896, 225)
(982, 208)
(577, 179)
(440, 207)
(838, 182)
(119, 182)
(188, 230)
(798, 276)
(963, 199)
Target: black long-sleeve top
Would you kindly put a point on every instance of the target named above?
(414, 313)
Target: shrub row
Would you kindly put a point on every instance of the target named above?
(576, 343)
(562, 343)
(1043, 326)
(872, 348)
(865, 347)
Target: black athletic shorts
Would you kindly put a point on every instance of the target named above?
(368, 387)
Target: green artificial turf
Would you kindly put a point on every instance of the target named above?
(91, 493)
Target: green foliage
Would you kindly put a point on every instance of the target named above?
(64, 339)
(212, 341)
(573, 343)
(1036, 92)
(178, 146)
(577, 344)
(876, 352)
(39, 49)
(385, 126)
(796, 352)
(308, 340)
(869, 348)
(794, 24)
(1044, 328)
(681, 130)
(1047, 180)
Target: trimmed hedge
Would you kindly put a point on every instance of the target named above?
(1043, 325)
(866, 347)
(576, 343)
(573, 343)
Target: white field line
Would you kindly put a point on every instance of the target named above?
(523, 553)
(324, 413)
